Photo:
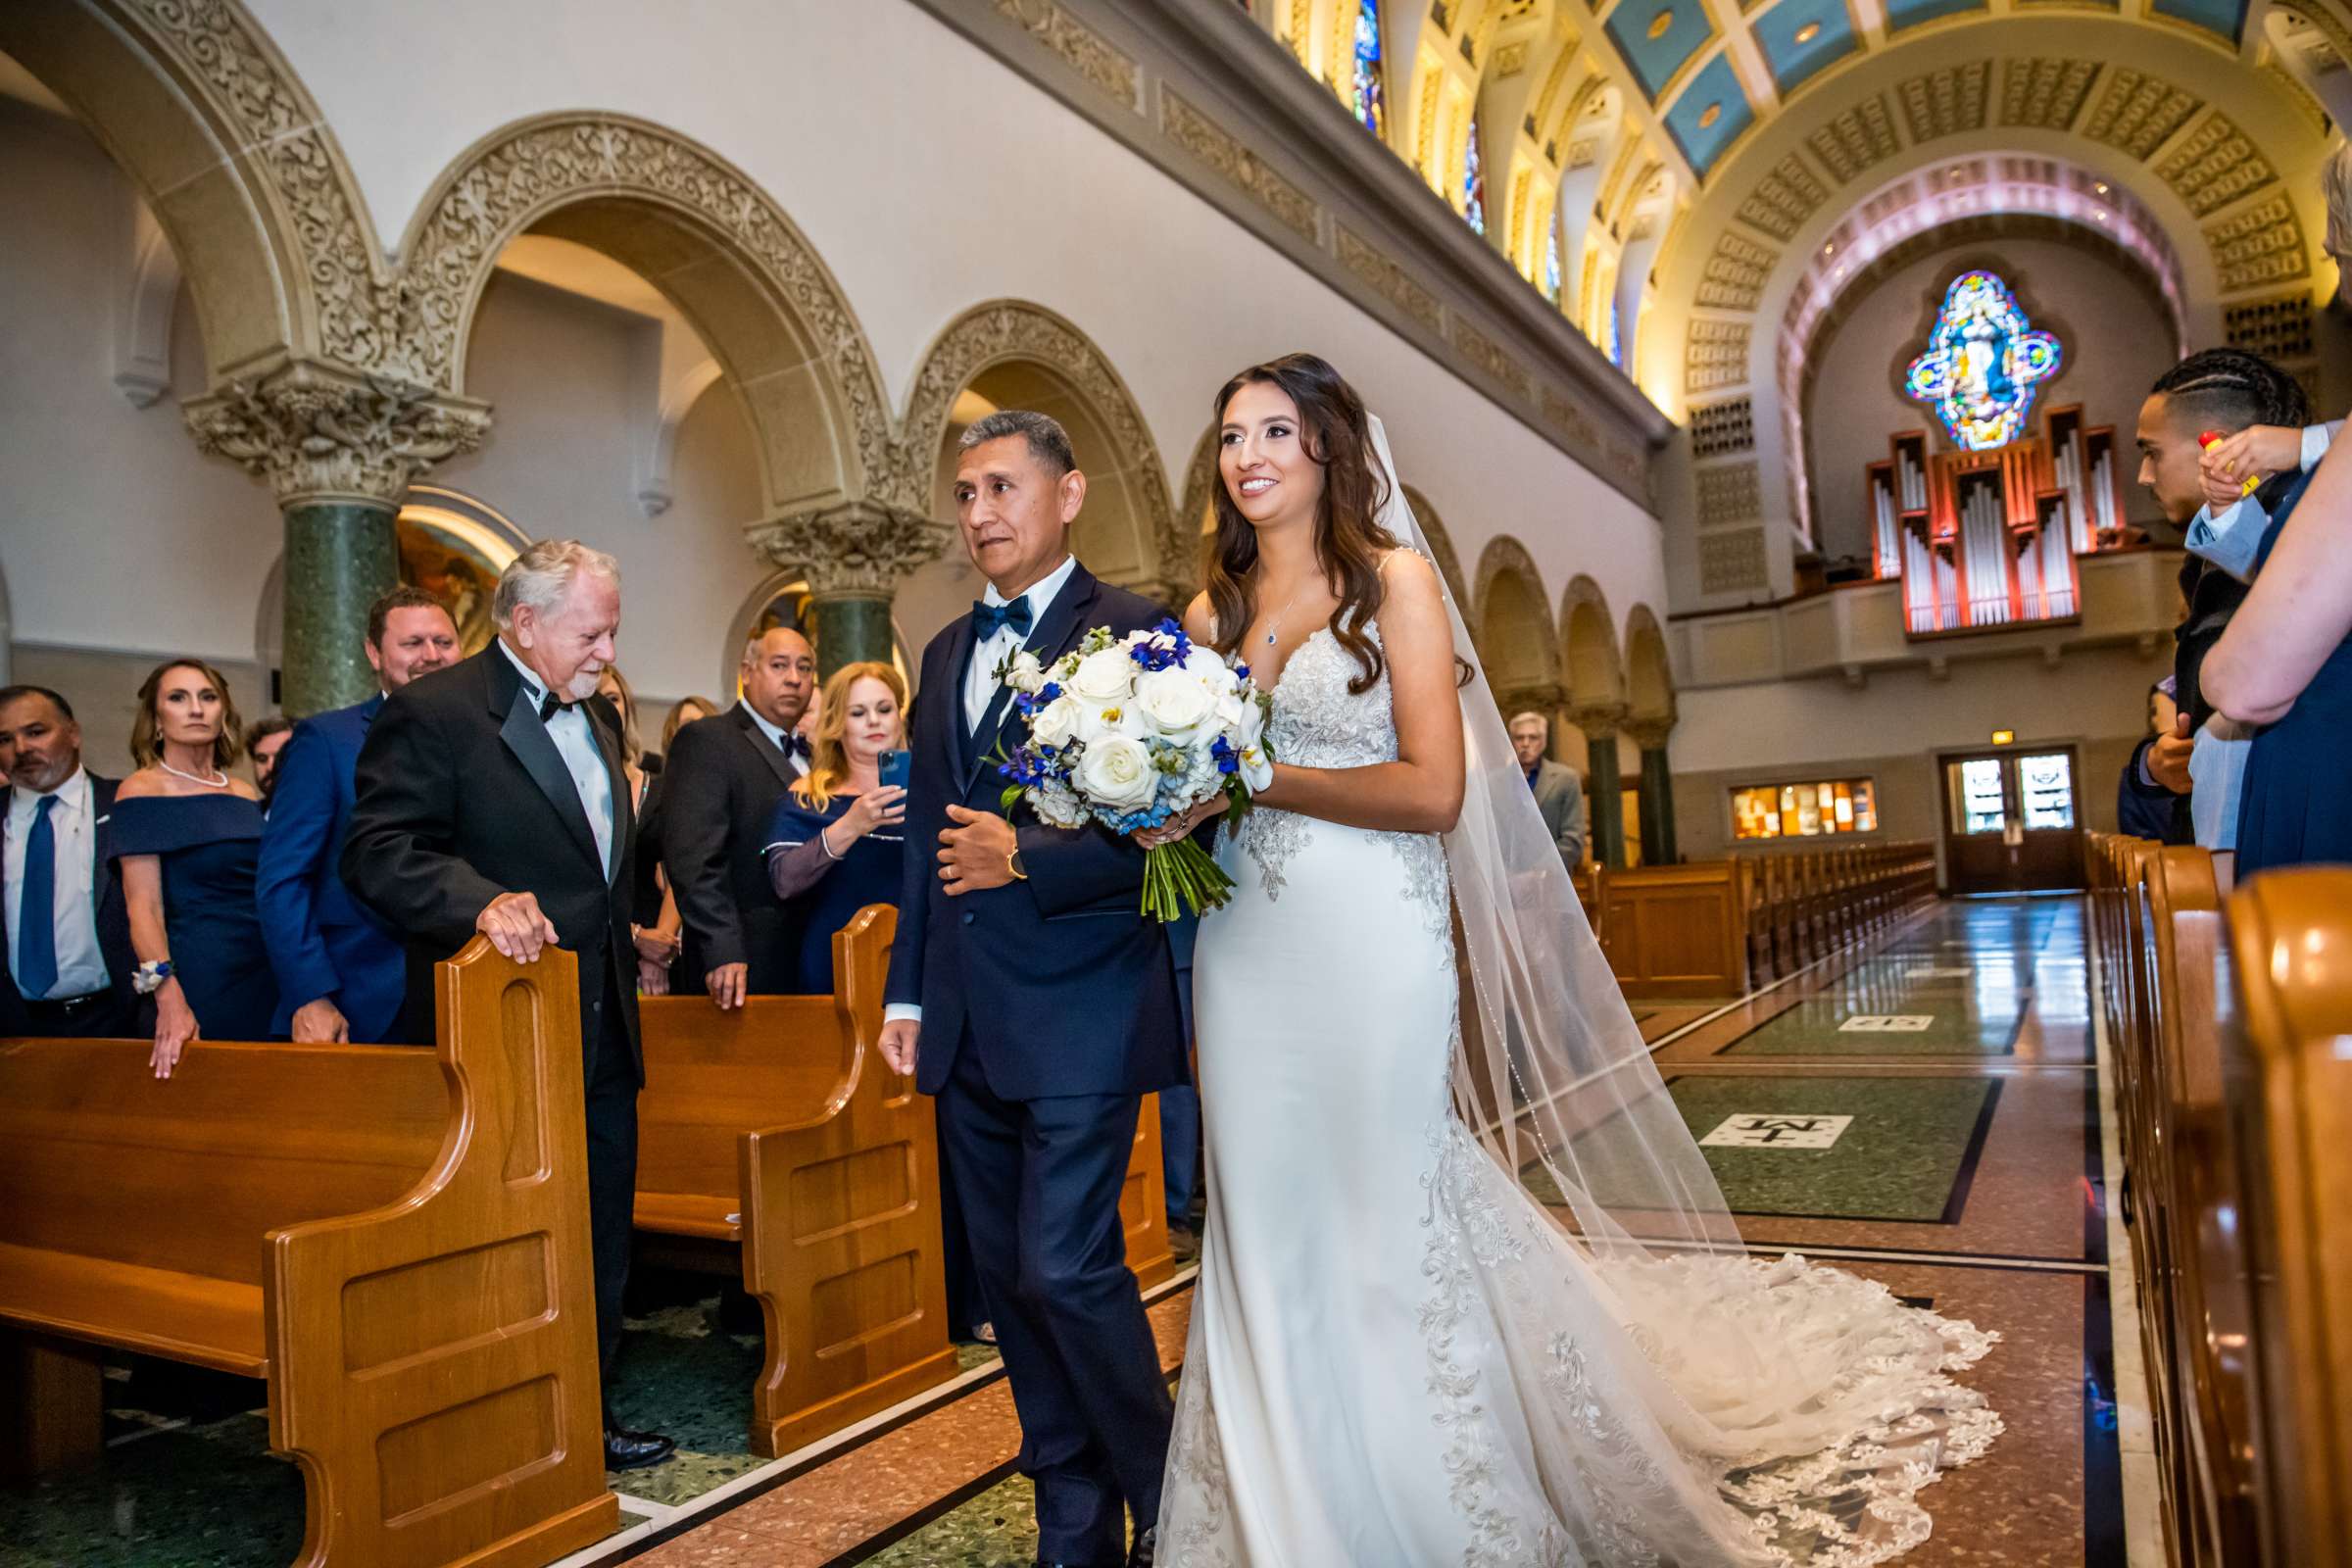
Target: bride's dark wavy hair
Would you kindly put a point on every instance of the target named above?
(1350, 542)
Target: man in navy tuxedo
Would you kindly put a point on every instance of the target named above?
(1030, 996)
(342, 974)
(63, 923)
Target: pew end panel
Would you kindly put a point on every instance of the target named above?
(1143, 1202)
(434, 1361)
(1677, 932)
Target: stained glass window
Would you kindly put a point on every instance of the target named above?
(1616, 343)
(1474, 182)
(1552, 262)
(1984, 362)
(1370, 107)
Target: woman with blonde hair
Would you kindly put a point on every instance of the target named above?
(835, 843)
(186, 837)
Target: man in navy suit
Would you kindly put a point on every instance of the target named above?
(342, 974)
(64, 923)
(1030, 996)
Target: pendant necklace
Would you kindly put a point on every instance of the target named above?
(219, 781)
(1274, 625)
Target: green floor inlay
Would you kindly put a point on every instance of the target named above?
(1907, 1148)
(1961, 1026)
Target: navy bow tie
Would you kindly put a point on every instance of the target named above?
(988, 619)
(794, 744)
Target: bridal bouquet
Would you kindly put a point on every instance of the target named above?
(1133, 732)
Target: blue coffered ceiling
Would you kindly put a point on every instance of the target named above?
(1901, 13)
(1709, 114)
(2225, 18)
(1800, 36)
(1659, 37)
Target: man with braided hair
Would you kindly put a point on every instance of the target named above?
(2226, 391)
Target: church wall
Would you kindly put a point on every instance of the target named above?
(2110, 323)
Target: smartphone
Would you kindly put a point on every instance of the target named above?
(896, 767)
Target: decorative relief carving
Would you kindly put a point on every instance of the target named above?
(1488, 356)
(1011, 330)
(2291, 91)
(1197, 133)
(2262, 244)
(314, 433)
(1731, 563)
(544, 164)
(2278, 327)
(2139, 113)
(1718, 429)
(1783, 198)
(1715, 355)
(1948, 101)
(852, 551)
(1729, 494)
(1510, 59)
(1855, 140)
(1571, 419)
(2214, 166)
(1735, 276)
(1393, 283)
(2045, 94)
(1081, 48)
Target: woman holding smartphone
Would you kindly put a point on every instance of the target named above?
(836, 842)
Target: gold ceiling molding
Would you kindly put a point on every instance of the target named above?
(2215, 165)
(1201, 136)
(1390, 282)
(1715, 355)
(1736, 273)
(1948, 101)
(1856, 140)
(2045, 94)
(2139, 113)
(1086, 51)
(1783, 198)
(1488, 356)
(2259, 246)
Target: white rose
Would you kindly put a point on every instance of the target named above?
(1175, 702)
(1206, 663)
(1117, 773)
(1103, 679)
(1100, 721)
(1025, 673)
(1056, 723)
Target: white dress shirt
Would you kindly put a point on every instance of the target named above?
(80, 966)
(980, 685)
(980, 682)
(575, 742)
(775, 737)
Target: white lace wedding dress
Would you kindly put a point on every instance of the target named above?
(1398, 1360)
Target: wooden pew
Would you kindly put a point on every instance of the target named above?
(2290, 1095)
(1676, 932)
(776, 1145)
(395, 1240)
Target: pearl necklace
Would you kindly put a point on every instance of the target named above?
(219, 781)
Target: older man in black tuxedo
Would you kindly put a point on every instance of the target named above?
(1030, 996)
(63, 922)
(491, 799)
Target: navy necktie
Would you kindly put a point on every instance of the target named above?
(988, 619)
(36, 913)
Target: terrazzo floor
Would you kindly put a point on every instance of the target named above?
(1965, 1171)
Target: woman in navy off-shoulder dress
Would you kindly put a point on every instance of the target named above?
(836, 843)
(186, 836)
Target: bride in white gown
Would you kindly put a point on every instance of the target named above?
(1398, 1356)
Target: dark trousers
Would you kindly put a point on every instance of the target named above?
(101, 1015)
(1039, 1181)
(612, 1116)
(1180, 1148)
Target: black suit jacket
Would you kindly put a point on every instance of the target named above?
(720, 783)
(1062, 983)
(461, 796)
(106, 891)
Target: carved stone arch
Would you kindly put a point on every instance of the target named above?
(1441, 545)
(1200, 498)
(712, 240)
(1589, 650)
(206, 119)
(1514, 627)
(1648, 676)
(1028, 357)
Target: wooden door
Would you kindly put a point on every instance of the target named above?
(2012, 820)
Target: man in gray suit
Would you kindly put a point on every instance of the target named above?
(1559, 793)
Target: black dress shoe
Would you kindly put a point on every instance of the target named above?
(634, 1450)
(1146, 1545)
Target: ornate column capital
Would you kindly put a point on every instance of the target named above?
(1649, 731)
(322, 432)
(852, 550)
(1547, 699)
(1599, 721)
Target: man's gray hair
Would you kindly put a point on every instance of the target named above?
(1049, 442)
(542, 576)
(1529, 714)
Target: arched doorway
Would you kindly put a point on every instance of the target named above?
(1596, 707)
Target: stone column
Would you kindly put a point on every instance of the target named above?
(1657, 790)
(339, 449)
(855, 555)
(1604, 805)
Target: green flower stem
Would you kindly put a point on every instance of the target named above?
(1181, 878)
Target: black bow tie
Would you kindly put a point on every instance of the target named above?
(794, 744)
(988, 619)
(550, 706)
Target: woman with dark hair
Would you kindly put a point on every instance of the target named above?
(1468, 1290)
(186, 837)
